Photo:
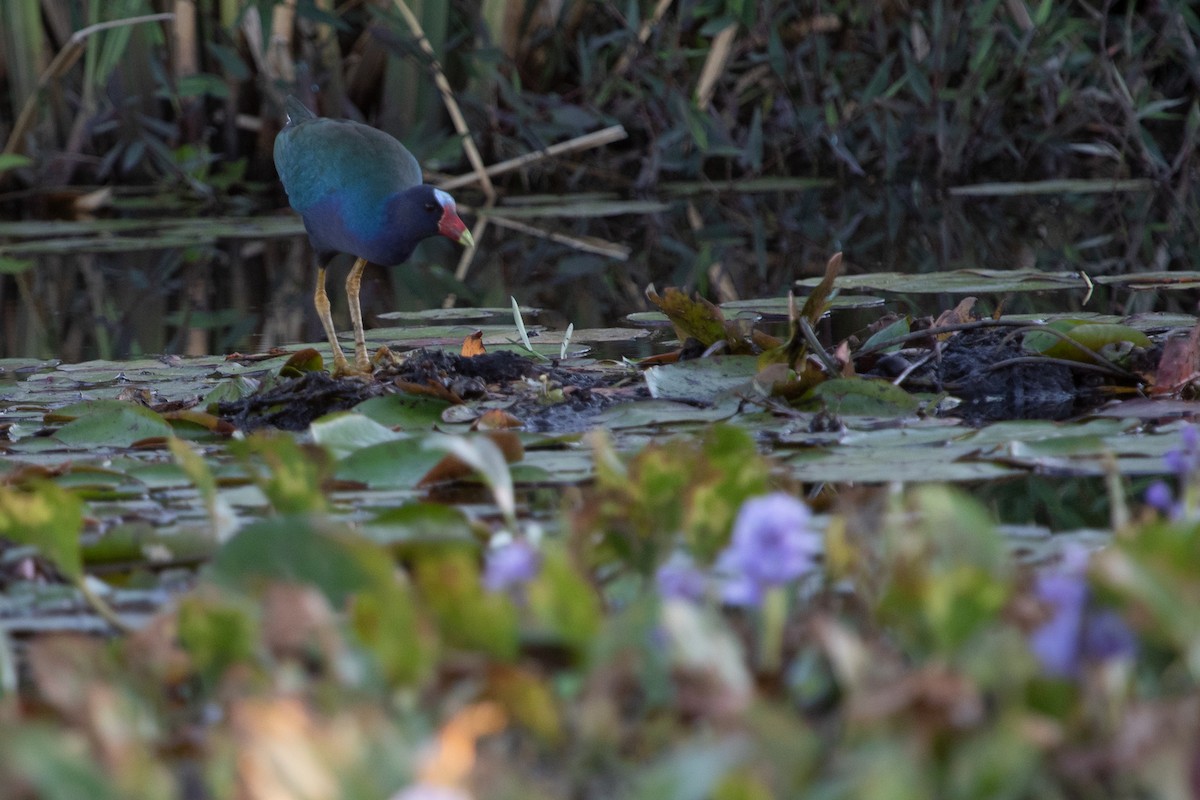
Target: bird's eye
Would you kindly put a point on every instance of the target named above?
(431, 206)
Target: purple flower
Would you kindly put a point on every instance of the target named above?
(680, 579)
(1190, 437)
(1105, 635)
(772, 543)
(1185, 460)
(1056, 643)
(510, 565)
(1159, 495)
(1076, 632)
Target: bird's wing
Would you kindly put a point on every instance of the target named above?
(297, 112)
(363, 165)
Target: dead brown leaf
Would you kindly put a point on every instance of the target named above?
(450, 762)
(473, 345)
(1179, 364)
(279, 755)
(452, 468)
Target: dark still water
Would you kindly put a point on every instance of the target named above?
(133, 284)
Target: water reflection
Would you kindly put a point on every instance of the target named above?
(214, 286)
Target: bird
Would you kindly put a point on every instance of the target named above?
(359, 191)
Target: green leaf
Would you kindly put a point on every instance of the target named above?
(1092, 336)
(47, 517)
(863, 397)
(301, 363)
(347, 432)
(14, 266)
(218, 631)
(110, 423)
(409, 411)
(44, 761)
(415, 525)
(468, 617)
(288, 474)
(301, 549)
(947, 571)
(884, 335)
(13, 161)
(563, 601)
(387, 621)
(393, 465)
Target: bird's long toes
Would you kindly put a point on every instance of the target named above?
(384, 357)
(344, 369)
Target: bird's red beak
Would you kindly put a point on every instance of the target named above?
(452, 227)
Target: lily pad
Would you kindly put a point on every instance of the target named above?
(398, 465)
(701, 380)
(863, 397)
(110, 423)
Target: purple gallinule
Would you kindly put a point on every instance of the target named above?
(359, 191)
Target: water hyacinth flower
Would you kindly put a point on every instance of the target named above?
(1161, 498)
(1186, 460)
(1056, 643)
(1184, 463)
(1077, 632)
(680, 579)
(510, 566)
(773, 543)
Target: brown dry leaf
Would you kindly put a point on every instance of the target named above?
(956, 316)
(660, 359)
(1158, 742)
(154, 648)
(935, 695)
(473, 345)
(847, 653)
(842, 354)
(203, 419)
(117, 726)
(771, 376)
(65, 667)
(253, 357)
(691, 318)
(22, 474)
(701, 320)
(450, 761)
(817, 303)
(298, 620)
(279, 752)
(451, 468)
(1179, 364)
(496, 419)
(431, 389)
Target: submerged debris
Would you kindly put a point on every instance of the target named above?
(544, 398)
(293, 404)
(991, 373)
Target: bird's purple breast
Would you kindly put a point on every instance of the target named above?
(336, 227)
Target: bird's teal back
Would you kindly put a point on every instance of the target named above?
(317, 157)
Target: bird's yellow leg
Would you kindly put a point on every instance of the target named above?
(321, 301)
(353, 282)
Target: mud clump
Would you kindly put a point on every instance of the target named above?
(975, 367)
(293, 404)
(545, 398)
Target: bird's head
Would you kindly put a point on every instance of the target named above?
(449, 224)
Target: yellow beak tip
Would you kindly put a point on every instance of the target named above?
(466, 239)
